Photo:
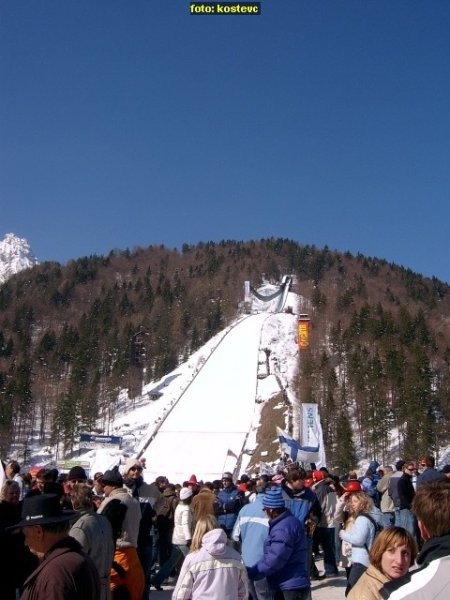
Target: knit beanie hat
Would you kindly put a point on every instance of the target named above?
(132, 462)
(77, 473)
(185, 493)
(273, 498)
(112, 477)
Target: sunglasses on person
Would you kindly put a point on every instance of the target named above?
(136, 468)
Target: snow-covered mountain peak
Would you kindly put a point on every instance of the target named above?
(15, 255)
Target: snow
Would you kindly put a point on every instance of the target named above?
(211, 420)
(15, 255)
(207, 412)
(203, 417)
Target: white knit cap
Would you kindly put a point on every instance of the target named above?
(185, 493)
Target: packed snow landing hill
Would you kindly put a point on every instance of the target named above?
(208, 411)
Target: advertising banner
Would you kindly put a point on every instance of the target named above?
(247, 294)
(303, 333)
(90, 441)
(312, 431)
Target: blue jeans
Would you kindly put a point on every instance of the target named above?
(405, 518)
(388, 519)
(178, 552)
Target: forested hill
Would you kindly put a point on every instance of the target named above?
(72, 336)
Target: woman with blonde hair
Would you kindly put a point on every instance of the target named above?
(345, 516)
(212, 569)
(10, 492)
(392, 554)
(205, 524)
(362, 534)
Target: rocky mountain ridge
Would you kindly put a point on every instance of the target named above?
(15, 256)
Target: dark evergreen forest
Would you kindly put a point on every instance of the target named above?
(72, 336)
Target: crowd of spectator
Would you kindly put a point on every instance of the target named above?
(116, 536)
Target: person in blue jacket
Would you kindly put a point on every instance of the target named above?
(230, 501)
(285, 557)
(303, 504)
(251, 529)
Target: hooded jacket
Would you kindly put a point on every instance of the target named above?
(215, 572)
(285, 557)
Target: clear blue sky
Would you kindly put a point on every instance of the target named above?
(127, 123)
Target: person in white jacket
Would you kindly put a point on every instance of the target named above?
(181, 537)
(212, 569)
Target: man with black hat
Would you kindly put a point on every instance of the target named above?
(127, 570)
(76, 475)
(65, 572)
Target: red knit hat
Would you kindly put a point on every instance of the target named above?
(193, 480)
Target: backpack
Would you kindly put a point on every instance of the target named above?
(115, 511)
(378, 527)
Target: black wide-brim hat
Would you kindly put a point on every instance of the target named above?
(43, 509)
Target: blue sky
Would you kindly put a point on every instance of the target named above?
(130, 123)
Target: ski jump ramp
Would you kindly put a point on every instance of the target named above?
(205, 432)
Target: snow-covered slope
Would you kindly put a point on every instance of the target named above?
(204, 416)
(15, 255)
(210, 422)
